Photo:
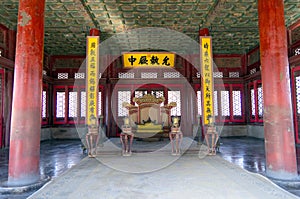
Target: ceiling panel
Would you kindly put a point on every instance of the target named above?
(233, 24)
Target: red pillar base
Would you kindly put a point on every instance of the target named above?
(7, 188)
(23, 180)
(281, 175)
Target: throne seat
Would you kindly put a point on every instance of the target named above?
(149, 128)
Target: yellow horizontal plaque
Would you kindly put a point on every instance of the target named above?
(147, 59)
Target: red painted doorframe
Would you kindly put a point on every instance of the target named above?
(1, 108)
(294, 98)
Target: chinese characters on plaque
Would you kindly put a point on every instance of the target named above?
(92, 74)
(148, 59)
(207, 78)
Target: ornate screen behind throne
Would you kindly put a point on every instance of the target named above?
(149, 109)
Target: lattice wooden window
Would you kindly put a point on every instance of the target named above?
(44, 104)
(260, 102)
(256, 101)
(73, 101)
(216, 112)
(297, 82)
(158, 94)
(295, 76)
(148, 75)
(62, 76)
(225, 104)
(252, 102)
(171, 74)
(228, 105)
(125, 75)
(237, 103)
(123, 96)
(218, 74)
(82, 104)
(234, 74)
(199, 103)
(79, 75)
(252, 71)
(99, 103)
(139, 94)
(174, 96)
(60, 104)
(297, 51)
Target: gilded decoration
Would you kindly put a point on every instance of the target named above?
(149, 118)
(148, 99)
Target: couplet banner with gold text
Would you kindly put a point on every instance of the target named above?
(207, 78)
(148, 59)
(92, 76)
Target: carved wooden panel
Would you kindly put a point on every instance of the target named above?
(228, 62)
(254, 57)
(68, 63)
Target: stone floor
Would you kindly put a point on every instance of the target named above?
(58, 156)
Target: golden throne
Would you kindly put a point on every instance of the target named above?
(149, 118)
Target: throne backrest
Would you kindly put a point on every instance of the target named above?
(149, 107)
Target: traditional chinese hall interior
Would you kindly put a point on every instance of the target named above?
(152, 48)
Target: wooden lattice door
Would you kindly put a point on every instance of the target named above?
(296, 101)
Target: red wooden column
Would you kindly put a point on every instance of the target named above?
(94, 32)
(278, 121)
(204, 32)
(24, 154)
